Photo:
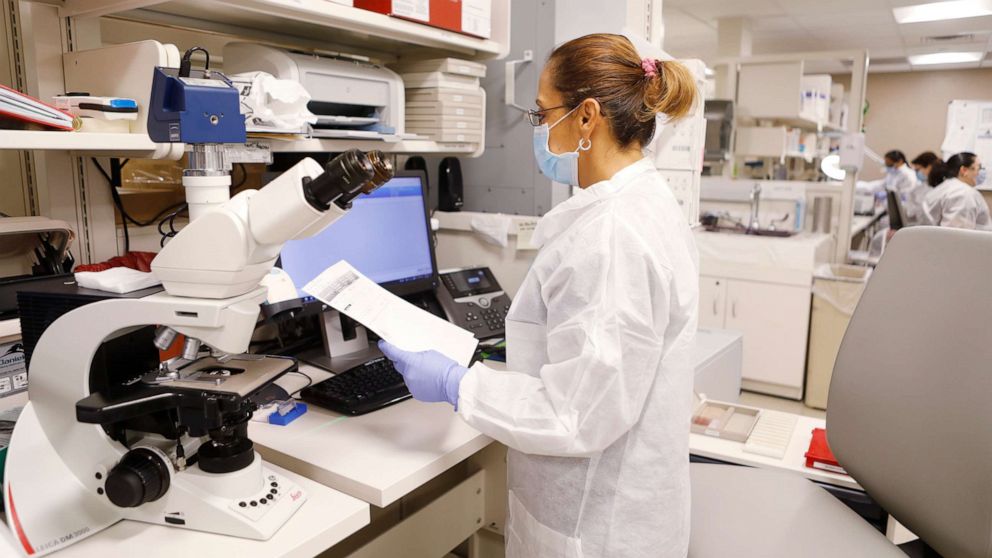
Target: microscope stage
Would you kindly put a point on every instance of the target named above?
(242, 376)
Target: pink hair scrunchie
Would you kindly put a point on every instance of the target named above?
(650, 67)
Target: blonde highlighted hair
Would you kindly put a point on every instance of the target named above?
(607, 68)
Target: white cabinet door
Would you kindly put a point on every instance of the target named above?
(712, 302)
(775, 322)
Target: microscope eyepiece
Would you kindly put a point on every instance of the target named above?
(346, 176)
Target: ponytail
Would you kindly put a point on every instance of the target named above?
(630, 90)
(672, 91)
(936, 176)
(952, 169)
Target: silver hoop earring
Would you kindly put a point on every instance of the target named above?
(585, 144)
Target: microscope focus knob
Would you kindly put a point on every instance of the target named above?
(141, 476)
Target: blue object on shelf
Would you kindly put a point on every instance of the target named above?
(283, 420)
(202, 108)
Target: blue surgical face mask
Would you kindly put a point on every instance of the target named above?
(980, 179)
(921, 176)
(889, 169)
(564, 167)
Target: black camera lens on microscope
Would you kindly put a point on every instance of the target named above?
(346, 177)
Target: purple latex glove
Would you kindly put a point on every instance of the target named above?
(429, 375)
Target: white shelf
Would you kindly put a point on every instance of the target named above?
(139, 146)
(804, 124)
(115, 144)
(799, 122)
(313, 19)
(396, 148)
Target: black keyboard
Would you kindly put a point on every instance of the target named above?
(359, 390)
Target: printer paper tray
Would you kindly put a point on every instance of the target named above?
(352, 134)
(334, 120)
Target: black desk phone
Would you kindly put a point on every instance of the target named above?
(472, 299)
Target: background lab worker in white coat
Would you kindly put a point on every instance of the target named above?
(596, 403)
(902, 179)
(956, 202)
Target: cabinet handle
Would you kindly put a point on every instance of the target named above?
(714, 307)
(733, 309)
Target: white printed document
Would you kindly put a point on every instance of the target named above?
(397, 321)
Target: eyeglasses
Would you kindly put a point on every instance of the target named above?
(536, 117)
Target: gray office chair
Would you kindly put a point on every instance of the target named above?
(908, 418)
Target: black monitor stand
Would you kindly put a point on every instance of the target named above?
(427, 301)
(346, 342)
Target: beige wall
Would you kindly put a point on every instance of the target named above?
(908, 111)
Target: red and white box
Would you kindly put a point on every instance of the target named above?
(477, 18)
(471, 17)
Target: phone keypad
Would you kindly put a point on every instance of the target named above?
(491, 315)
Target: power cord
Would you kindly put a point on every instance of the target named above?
(163, 216)
(186, 63)
(171, 220)
(119, 204)
(307, 376)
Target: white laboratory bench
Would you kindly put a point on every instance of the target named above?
(326, 518)
(379, 457)
(349, 463)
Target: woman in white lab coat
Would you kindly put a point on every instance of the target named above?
(596, 403)
(922, 165)
(956, 202)
(902, 179)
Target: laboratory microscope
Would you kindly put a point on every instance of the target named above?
(111, 430)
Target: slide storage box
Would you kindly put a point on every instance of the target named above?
(444, 95)
(452, 123)
(469, 110)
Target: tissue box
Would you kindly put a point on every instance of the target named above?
(13, 372)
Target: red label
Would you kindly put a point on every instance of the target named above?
(17, 523)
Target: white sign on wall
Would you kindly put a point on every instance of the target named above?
(969, 128)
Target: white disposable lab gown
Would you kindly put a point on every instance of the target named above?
(596, 405)
(904, 182)
(956, 204)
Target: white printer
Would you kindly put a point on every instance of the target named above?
(351, 98)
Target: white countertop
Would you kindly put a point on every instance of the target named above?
(794, 460)
(324, 520)
(379, 457)
(762, 258)
(710, 343)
